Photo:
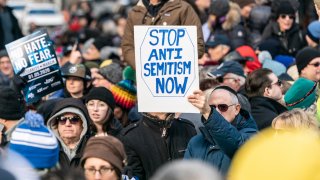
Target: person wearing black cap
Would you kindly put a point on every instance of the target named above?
(226, 127)
(100, 104)
(231, 74)
(285, 30)
(93, 53)
(308, 63)
(12, 110)
(218, 45)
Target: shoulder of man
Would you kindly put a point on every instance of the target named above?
(185, 122)
(129, 128)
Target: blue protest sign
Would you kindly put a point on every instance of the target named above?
(167, 67)
(35, 53)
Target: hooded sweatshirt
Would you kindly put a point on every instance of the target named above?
(70, 157)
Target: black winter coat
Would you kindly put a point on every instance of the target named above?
(147, 150)
(16, 31)
(264, 110)
(291, 41)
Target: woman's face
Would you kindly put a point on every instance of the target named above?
(285, 21)
(75, 86)
(98, 169)
(97, 110)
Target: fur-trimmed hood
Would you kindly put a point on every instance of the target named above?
(233, 17)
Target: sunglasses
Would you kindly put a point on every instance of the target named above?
(73, 120)
(283, 16)
(317, 64)
(222, 107)
(278, 83)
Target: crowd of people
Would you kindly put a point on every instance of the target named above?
(259, 68)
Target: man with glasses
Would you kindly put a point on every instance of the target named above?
(226, 127)
(308, 63)
(70, 124)
(264, 91)
(231, 73)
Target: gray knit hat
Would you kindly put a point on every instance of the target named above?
(112, 72)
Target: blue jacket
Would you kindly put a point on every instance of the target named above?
(219, 139)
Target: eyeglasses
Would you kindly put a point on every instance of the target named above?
(73, 120)
(278, 83)
(317, 64)
(102, 171)
(283, 16)
(222, 107)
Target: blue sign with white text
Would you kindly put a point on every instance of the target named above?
(35, 55)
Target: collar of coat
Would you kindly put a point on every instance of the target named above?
(155, 123)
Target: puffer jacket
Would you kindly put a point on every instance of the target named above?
(75, 106)
(219, 139)
(173, 12)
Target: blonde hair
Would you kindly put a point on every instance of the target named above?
(317, 3)
(295, 119)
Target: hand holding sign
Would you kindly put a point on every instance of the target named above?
(198, 99)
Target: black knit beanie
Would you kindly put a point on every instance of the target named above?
(11, 104)
(102, 94)
(101, 42)
(285, 7)
(219, 7)
(304, 57)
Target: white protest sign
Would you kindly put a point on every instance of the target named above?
(166, 60)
